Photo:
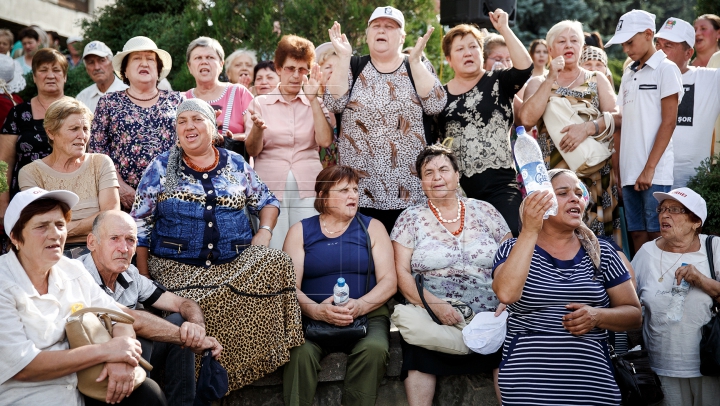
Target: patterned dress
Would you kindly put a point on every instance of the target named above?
(602, 217)
(382, 134)
(32, 142)
(132, 136)
(543, 364)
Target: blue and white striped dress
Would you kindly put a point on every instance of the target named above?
(543, 364)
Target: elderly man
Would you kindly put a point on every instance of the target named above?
(98, 64)
(172, 340)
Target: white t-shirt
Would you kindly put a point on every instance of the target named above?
(672, 317)
(91, 94)
(639, 99)
(31, 323)
(696, 120)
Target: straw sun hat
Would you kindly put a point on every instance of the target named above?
(137, 44)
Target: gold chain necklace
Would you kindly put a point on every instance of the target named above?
(335, 232)
(660, 279)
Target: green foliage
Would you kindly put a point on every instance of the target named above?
(3, 177)
(77, 80)
(615, 66)
(707, 183)
(707, 7)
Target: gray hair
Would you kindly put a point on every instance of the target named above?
(562, 26)
(100, 219)
(240, 52)
(205, 42)
(200, 106)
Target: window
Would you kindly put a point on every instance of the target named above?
(77, 5)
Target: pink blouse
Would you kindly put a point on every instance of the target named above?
(288, 143)
(239, 106)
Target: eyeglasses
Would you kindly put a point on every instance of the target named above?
(671, 210)
(290, 70)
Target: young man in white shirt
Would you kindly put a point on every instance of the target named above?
(649, 95)
(700, 104)
(98, 64)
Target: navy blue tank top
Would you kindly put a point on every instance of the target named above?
(327, 259)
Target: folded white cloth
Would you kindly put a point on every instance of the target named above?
(486, 333)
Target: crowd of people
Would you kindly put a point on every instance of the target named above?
(221, 217)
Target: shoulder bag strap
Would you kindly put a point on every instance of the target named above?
(711, 263)
(116, 316)
(370, 256)
(420, 283)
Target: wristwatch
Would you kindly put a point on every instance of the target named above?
(266, 228)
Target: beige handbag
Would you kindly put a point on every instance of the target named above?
(93, 325)
(592, 153)
(419, 326)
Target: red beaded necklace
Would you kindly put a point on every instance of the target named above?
(202, 169)
(437, 214)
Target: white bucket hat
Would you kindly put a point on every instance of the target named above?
(11, 75)
(688, 198)
(486, 333)
(137, 44)
(24, 198)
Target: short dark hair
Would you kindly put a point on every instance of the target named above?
(432, 151)
(51, 56)
(329, 177)
(294, 47)
(264, 65)
(28, 32)
(126, 59)
(594, 39)
(36, 208)
(535, 43)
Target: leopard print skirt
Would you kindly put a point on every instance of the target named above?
(250, 307)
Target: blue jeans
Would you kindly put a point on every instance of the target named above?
(177, 363)
(640, 208)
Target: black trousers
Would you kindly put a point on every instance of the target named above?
(498, 187)
(147, 394)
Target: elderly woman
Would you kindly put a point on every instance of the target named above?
(266, 78)
(39, 289)
(383, 127)
(539, 55)
(195, 238)
(707, 39)
(451, 241)
(205, 61)
(331, 245)
(239, 67)
(594, 59)
(327, 59)
(479, 115)
(134, 126)
(22, 137)
(288, 126)
(676, 289)
(91, 176)
(567, 79)
(564, 289)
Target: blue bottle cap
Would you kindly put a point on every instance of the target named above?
(520, 130)
(341, 282)
(683, 264)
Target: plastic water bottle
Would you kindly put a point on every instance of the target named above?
(677, 299)
(532, 167)
(498, 66)
(341, 293)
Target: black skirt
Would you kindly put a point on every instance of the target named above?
(441, 364)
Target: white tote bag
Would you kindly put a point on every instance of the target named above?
(417, 328)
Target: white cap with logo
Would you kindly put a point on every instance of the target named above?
(97, 48)
(24, 198)
(388, 12)
(677, 30)
(630, 24)
(688, 197)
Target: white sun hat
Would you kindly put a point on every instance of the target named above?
(11, 75)
(137, 44)
(24, 198)
(631, 23)
(688, 198)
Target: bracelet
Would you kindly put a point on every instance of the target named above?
(266, 228)
(597, 128)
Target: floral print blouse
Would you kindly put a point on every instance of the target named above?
(382, 134)
(454, 267)
(32, 143)
(132, 136)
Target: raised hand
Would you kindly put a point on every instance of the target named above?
(311, 86)
(499, 20)
(257, 120)
(417, 51)
(340, 42)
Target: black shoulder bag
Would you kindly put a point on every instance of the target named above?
(336, 338)
(710, 342)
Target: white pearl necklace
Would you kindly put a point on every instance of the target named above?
(439, 213)
(339, 231)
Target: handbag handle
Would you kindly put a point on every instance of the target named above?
(370, 256)
(711, 263)
(420, 284)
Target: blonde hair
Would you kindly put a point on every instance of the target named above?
(562, 26)
(491, 42)
(237, 53)
(61, 109)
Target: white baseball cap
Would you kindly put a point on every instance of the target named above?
(630, 24)
(97, 48)
(677, 30)
(388, 12)
(688, 198)
(24, 198)
(74, 38)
